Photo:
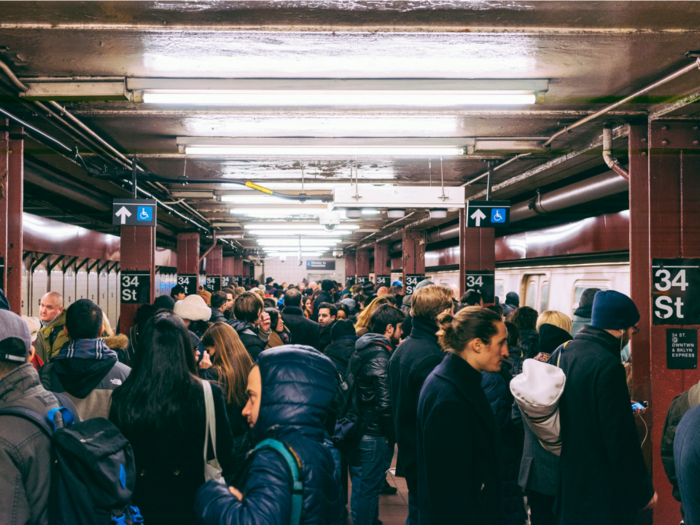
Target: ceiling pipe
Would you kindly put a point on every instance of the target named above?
(213, 244)
(650, 87)
(611, 161)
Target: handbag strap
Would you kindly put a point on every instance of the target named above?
(210, 429)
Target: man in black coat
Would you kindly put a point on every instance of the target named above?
(251, 323)
(343, 345)
(410, 365)
(324, 297)
(604, 479)
(304, 331)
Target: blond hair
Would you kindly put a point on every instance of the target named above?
(231, 360)
(556, 318)
(364, 317)
(430, 301)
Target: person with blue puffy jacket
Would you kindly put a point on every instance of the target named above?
(290, 392)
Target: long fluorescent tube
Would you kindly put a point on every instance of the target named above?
(292, 254)
(281, 213)
(303, 233)
(296, 186)
(292, 226)
(295, 242)
(327, 151)
(263, 199)
(422, 98)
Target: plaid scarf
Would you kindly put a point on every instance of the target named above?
(95, 349)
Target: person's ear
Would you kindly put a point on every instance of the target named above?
(390, 331)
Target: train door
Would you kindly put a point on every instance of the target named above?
(69, 287)
(536, 292)
(92, 286)
(25, 289)
(158, 285)
(38, 288)
(112, 299)
(103, 288)
(81, 284)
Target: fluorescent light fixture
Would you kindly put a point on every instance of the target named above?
(226, 224)
(495, 145)
(293, 226)
(287, 241)
(396, 214)
(191, 194)
(296, 186)
(438, 214)
(292, 254)
(286, 98)
(230, 236)
(266, 199)
(353, 213)
(303, 233)
(326, 151)
(369, 211)
(278, 213)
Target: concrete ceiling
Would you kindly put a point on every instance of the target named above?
(592, 53)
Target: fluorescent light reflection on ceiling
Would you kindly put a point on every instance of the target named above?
(296, 186)
(327, 151)
(278, 213)
(342, 98)
(265, 199)
(293, 254)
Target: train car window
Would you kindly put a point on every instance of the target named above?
(580, 286)
(531, 294)
(499, 291)
(544, 296)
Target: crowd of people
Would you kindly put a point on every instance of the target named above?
(428, 374)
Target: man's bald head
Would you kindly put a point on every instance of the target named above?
(383, 290)
(51, 307)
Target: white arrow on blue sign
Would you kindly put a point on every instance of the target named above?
(134, 212)
(488, 214)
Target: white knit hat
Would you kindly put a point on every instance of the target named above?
(192, 308)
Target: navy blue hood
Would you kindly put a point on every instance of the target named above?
(241, 326)
(372, 340)
(298, 388)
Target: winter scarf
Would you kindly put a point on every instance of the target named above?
(92, 349)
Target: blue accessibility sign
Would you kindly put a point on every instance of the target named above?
(144, 213)
(498, 215)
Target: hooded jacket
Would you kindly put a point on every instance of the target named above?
(25, 451)
(604, 479)
(304, 331)
(340, 351)
(582, 317)
(51, 338)
(411, 363)
(216, 316)
(298, 387)
(251, 337)
(88, 383)
(372, 384)
(511, 304)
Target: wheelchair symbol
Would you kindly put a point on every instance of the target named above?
(498, 215)
(145, 213)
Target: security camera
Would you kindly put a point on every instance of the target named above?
(329, 220)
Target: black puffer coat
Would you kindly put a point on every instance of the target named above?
(372, 383)
(340, 351)
(298, 387)
(250, 336)
(304, 331)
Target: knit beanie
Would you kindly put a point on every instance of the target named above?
(192, 308)
(613, 311)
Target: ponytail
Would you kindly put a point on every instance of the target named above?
(474, 322)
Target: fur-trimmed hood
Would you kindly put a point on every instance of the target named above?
(117, 342)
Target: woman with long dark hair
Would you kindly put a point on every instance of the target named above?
(160, 409)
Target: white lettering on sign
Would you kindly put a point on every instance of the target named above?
(666, 283)
(472, 281)
(130, 280)
(666, 304)
(128, 295)
(183, 280)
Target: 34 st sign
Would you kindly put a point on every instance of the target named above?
(675, 291)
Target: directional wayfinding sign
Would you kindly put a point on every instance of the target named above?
(681, 348)
(488, 214)
(134, 212)
(675, 291)
(483, 282)
(135, 287)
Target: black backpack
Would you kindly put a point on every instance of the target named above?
(92, 473)
(348, 427)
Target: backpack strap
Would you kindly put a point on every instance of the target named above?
(560, 350)
(293, 464)
(29, 415)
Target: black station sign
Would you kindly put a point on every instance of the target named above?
(189, 282)
(483, 282)
(213, 283)
(239, 280)
(363, 279)
(226, 280)
(320, 265)
(412, 281)
(135, 287)
(134, 212)
(675, 291)
(488, 214)
(349, 281)
(681, 348)
(383, 280)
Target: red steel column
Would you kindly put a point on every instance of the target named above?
(227, 265)
(215, 263)
(15, 207)
(413, 256)
(350, 269)
(138, 253)
(238, 270)
(4, 198)
(188, 253)
(674, 232)
(382, 272)
(477, 250)
(362, 266)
